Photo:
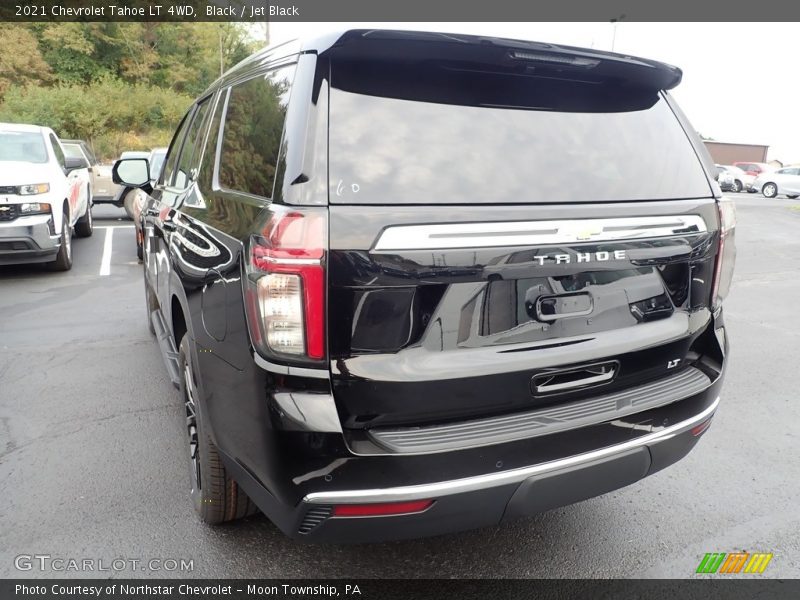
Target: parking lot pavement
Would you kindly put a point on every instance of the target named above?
(92, 458)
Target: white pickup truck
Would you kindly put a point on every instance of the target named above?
(44, 197)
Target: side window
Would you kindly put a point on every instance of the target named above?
(174, 150)
(252, 132)
(57, 150)
(190, 146)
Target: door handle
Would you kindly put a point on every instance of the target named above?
(569, 379)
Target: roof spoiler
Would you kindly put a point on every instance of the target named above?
(505, 54)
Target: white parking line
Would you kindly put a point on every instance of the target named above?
(105, 264)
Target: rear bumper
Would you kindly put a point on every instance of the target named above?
(27, 240)
(299, 476)
(481, 487)
(489, 499)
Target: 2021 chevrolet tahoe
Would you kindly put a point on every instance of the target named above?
(412, 283)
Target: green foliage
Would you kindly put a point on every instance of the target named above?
(121, 86)
(108, 113)
(21, 61)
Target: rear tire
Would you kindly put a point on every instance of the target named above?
(770, 190)
(791, 197)
(737, 186)
(63, 261)
(216, 496)
(85, 226)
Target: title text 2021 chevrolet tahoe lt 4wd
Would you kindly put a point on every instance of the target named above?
(412, 283)
(44, 196)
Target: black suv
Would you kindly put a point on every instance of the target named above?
(412, 283)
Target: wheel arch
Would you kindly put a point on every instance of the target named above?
(178, 320)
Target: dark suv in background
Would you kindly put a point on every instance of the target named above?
(412, 283)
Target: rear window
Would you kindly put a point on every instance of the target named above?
(22, 146)
(72, 151)
(452, 134)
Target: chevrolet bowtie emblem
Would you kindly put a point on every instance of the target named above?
(5, 208)
(586, 234)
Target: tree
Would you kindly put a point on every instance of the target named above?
(21, 61)
(121, 85)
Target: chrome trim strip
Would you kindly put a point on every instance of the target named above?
(470, 484)
(288, 370)
(533, 233)
(291, 261)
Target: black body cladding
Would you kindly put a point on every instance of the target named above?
(465, 279)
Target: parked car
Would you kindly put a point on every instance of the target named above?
(725, 179)
(155, 162)
(122, 196)
(783, 181)
(385, 324)
(752, 170)
(101, 186)
(43, 195)
(739, 177)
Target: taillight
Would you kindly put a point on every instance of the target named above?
(726, 254)
(285, 285)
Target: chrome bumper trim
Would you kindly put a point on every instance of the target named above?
(479, 482)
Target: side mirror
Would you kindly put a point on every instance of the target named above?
(131, 172)
(70, 164)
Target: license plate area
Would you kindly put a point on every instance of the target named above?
(561, 306)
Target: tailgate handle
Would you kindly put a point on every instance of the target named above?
(559, 381)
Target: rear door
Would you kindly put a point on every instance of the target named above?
(507, 236)
(790, 183)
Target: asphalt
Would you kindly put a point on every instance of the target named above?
(92, 459)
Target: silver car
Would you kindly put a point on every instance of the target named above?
(100, 175)
(783, 181)
(740, 179)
